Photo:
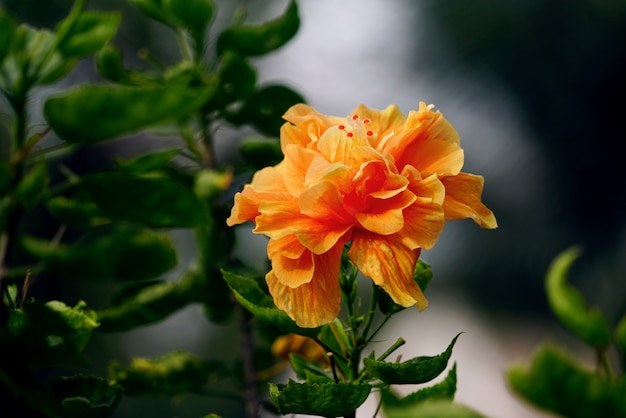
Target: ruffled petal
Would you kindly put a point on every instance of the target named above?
(317, 302)
(390, 265)
(463, 194)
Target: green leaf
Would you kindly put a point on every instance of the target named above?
(76, 212)
(87, 33)
(193, 15)
(261, 152)
(417, 370)
(7, 33)
(431, 409)
(254, 40)
(112, 252)
(557, 384)
(327, 400)
(569, 305)
(148, 162)
(620, 340)
(175, 373)
(84, 396)
(93, 113)
(33, 185)
(261, 305)
(309, 371)
(237, 81)
(266, 108)
(442, 390)
(51, 334)
(155, 9)
(83, 321)
(422, 274)
(152, 201)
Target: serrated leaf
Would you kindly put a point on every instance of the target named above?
(254, 40)
(261, 305)
(87, 33)
(442, 390)
(76, 212)
(175, 373)
(326, 400)
(92, 113)
(555, 383)
(570, 307)
(416, 370)
(152, 201)
(83, 321)
(85, 396)
(431, 409)
(266, 107)
(116, 252)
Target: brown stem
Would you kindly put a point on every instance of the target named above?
(251, 394)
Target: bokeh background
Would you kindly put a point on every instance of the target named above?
(536, 90)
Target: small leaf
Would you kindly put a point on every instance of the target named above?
(237, 81)
(261, 152)
(33, 185)
(555, 383)
(266, 108)
(417, 370)
(175, 373)
(194, 15)
(86, 396)
(87, 33)
(569, 305)
(152, 201)
(432, 409)
(155, 9)
(442, 390)
(76, 212)
(327, 400)
(254, 40)
(261, 305)
(93, 113)
(309, 371)
(83, 321)
(116, 252)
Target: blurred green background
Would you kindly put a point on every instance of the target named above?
(536, 90)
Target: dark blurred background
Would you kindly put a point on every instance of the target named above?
(536, 90)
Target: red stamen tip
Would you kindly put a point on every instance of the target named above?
(341, 127)
(350, 134)
(369, 133)
(366, 121)
(355, 117)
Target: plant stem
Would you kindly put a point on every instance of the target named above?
(247, 347)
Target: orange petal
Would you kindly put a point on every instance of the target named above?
(423, 223)
(317, 302)
(295, 166)
(463, 200)
(390, 265)
(335, 145)
(292, 263)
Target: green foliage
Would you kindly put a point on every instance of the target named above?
(261, 305)
(86, 396)
(115, 252)
(326, 399)
(432, 409)
(442, 390)
(570, 307)
(556, 383)
(93, 113)
(254, 40)
(175, 373)
(417, 370)
(34, 184)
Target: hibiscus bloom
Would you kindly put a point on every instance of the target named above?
(380, 180)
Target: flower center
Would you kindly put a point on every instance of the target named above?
(358, 129)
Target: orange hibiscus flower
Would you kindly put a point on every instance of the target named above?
(382, 181)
